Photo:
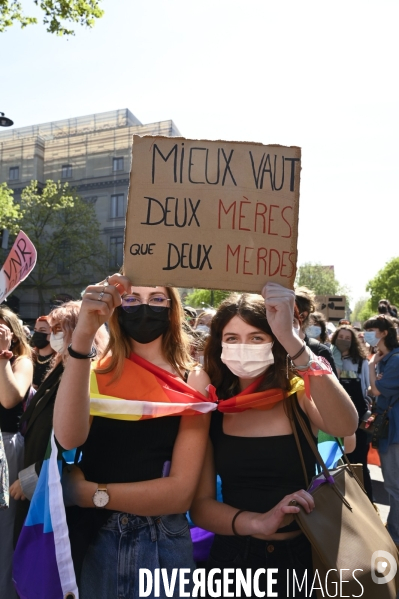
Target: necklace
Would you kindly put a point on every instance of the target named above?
(43, 361)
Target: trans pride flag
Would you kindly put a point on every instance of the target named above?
(43, 566)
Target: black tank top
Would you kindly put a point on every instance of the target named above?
(121, 451)
(257, 472)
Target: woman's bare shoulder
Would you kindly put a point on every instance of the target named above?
(198, 379)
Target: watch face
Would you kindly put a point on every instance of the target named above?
(100, 498)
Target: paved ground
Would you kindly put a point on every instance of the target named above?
(380, 495)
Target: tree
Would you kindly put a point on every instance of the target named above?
(385, 284)
(57, 13)
(203, 298)
(9, 212)
(320, 279)
(66, 233)
(362, 310)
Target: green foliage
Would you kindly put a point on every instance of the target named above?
(366, 312)
(319, 279)
(385, 284)
(66, 233)
(202, 298)
(57, 13)
(10, 213)
(362, 310)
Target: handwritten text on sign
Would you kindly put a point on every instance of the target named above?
(19, 263)
(212, 214)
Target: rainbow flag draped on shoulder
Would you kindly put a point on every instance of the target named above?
(250, 398)
(43, 567)
(143, 391)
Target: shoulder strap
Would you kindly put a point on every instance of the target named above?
(290, 400)
(359, 369)
(318, 457)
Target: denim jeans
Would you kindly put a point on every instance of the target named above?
(127, 543)
(390, 472)
(248, 552)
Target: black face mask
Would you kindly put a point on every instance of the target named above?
(144, 325)
(39, 340)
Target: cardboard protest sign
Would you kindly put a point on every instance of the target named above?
(19, 263)
(333, 308)
(212, 214)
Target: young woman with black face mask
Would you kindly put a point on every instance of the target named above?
(43, 352)
(252, 446)
(143, 433)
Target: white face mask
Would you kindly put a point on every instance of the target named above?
(57, 341)
(204, 328)
(313, 331)
(247, 360)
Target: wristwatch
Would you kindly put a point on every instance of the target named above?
(101, 496)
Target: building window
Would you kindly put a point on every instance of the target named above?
(66, 171)
(118, 205)
(117, 164)
(116, 251)
(14, 173)
(64, 260)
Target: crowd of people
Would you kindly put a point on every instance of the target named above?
(244, 367)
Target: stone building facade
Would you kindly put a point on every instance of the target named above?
(93, 154)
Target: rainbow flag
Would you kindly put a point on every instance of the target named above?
(143, 391)
(250, 398)
(43, 567)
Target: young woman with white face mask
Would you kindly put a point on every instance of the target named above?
(380, 333)
(252, 445)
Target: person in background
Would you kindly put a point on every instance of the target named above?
(198, 345)
(380, 333)
(43, 352)
(385, 307)
(204, 320)
(317, 327)
(16, 372)
(350, 358)
(304, 300)
(37, 420)
(191, 315)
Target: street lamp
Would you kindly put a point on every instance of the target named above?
(4, 121)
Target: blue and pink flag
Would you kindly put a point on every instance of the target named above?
(43, 566)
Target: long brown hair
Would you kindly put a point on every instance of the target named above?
(356, 351)
(20, 345)
(251, 308)
(175, 341)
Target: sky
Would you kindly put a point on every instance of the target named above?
(319, 75)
